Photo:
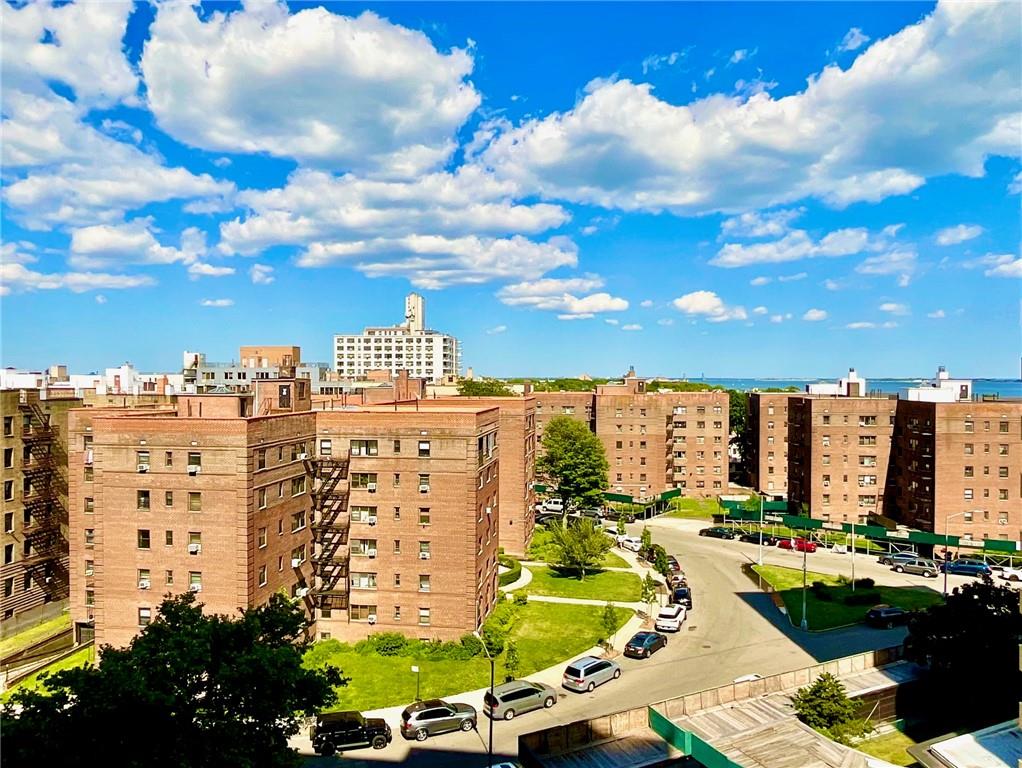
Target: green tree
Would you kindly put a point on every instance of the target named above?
(741, 429)
(649, 594)
(579, 547)
(660, 564)
(191, 689)
(512, 660)
(973, 635)
(573, 460)
(646, 538)
(621, 530)
(823, 703)
(484, 388)
(608, 620)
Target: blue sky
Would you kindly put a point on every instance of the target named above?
(731, 189)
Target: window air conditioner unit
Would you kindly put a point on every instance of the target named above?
(194, 549)
(296, 562)
(423, 489)
(303, 456)
(143, 468)
(489, 510)
(194, 469)
(372, 618)
(143, 584)
(371, 487)
(1002, 522)
(302, 591)
(371, 520)
(194, 587)
(424, 555)
(371, 552)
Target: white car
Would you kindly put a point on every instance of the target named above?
(631, 543)
(553, 505)
(670, 618)
(1011, 574)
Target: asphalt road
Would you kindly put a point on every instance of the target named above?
(733, 630)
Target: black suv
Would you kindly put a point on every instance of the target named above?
(718, 532)
(340, 731)
(887, 616)
(682, 596)
(769, 540)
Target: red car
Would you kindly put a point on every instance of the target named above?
(799, 545)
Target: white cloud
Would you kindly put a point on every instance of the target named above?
(894, 308)
(14, 253)
(559, 295)
(740, 55)
(936, 98)
(631, 327)
(656, 61)
(217, 302)
(866, 325)
(583, 316)
(998, 265)
(831, 285)
(776, 318)
(958, 234)
(497, 329)
(762, 280)
(646, 303)
(340, 92)
(760, 223)
(1015, 187)
(134, 242)
(611, 321)
(709, 305)
(815, 315)
(760, 310)
(937, 314)
(794, 246)
(792, 278)
(200, 269)
(901, 262)
(17, 277)
(261, 274)
(853, 40)
(100, 298)
(665, 321)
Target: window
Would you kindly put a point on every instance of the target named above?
(423, 515)
(826, 441)
(826, 459)
(262, 575)
(397, 447)
(362, 612)
(424, 448)
(326, 447)
(970, 449)
(297, 521)
(145, 615)
(194, 460)
(397, 546)
(8, 457)
(397, 613)
(1002, 494)
(867, 421)
(1002, 471)
(826, 420)
(168, 458)
(168, 498)
(142, 457)
(423, 582)
(363, 514)
(168, 577)
(424, 617)
(194, 501)
(423, 483)
(970, 426)
(90, 505)
(1003, 427)
(9, 551)
(168, 538)
(280, 527)
(143, 578)
(261, 459)
(8, 522)
(363, 547)
(262, 537)
(969, 471)
(262, 498)
(364, 448)
(143, 538)
(89, 474)
(8, 490)
(424, 549)
(363, 479)
(967, 493)
(89, 567)
(195, 581)
(8, 426)
(90, 538)
(142, 499)
(363, 581)
(1002, 450)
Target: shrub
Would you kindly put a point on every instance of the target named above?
(472, 645)
(823, 703)
(512, 575)
(866, 583)
(387, 643)
(521, 599)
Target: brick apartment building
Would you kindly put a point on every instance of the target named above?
(35, 502)
(768, 462)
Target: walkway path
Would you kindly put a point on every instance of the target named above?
(523, 580)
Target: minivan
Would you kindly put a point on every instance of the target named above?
(922, 566)
(517, 697)
(588, 672)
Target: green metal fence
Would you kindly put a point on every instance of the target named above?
(688, 743)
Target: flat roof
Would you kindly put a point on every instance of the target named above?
(640, 748)
(999, 746)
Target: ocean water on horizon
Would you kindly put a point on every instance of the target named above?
(999, 387)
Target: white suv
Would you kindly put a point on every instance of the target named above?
(1011, 574)
(632, 543)
(670, 618)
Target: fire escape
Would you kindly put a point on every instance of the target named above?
(45, 543)
(330, 524)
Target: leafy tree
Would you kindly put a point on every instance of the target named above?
(741, 429)
(621, 530)
(649, 594)
(660, 564)
(580, 547)
(190, 690)
(484, 388)
(574, 461)
(608, 620)
(823, 703)
(646, 538)
(512, 660)
(973, 635)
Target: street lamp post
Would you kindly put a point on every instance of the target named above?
(489, 744)
(805, 622)
(415, 669)
(947, 540)
(853, 554)
(760, 558)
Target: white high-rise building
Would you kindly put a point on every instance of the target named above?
(410, 346)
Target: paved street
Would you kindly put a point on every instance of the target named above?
(733, 630)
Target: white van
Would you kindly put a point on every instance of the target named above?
(554, 505)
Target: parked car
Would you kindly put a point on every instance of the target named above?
(682, 595)
(675, 566)
(645, 644)
(631, 543)
(575, 519)
(769, 540)
(341, 731)
(966, 568)
(594, 512)
(717, 532)
(554, 505)
(628, 516)
(920, 565)
(428, 718)
(892, 558)
(588, 672)
(546, 518)
(670, 618)
(978, 561)
(798, 544)
(516, 698)
(1011, 574)
(675, 580)
(886, 616)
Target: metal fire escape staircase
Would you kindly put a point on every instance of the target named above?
(330, 527)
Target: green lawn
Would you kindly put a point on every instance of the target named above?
(889, 747)
(605, 585)
(695, 509)
(27, 637)
(542, 550)
(827, 614)
(33, 683)
(545, 634)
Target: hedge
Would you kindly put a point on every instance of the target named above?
(512, 575)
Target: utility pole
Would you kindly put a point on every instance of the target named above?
(805, 622)
(760, 559)
(853, 554)
(489, 745)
